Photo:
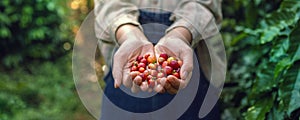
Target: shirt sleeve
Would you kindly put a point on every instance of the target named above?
(110, 14)
(201, 17)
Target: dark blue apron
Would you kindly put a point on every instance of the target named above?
(144, 105)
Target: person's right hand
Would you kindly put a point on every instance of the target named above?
(133, 43)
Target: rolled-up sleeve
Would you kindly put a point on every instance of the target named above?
(201, 17)
(110, 14)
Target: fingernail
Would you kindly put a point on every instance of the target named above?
(116, 86)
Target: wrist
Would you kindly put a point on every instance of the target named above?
(182, 33)
(128, 31)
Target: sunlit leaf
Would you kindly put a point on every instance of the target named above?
(260, 108)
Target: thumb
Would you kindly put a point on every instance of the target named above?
(186, 69)
(117, 71)
(187, 66)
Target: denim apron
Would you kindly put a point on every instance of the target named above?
(150, 104)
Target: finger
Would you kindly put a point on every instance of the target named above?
(118, 65)
(135, 88)
(148, 49)
(159, 88)
(151, 83)
(127, 81)
(150, 90)
(138, 80)
(144, 86)
(175, 82)
(162, 81)
(170, 89)
(133, 74)
(184, 83)
(167, 86)
(157, 50)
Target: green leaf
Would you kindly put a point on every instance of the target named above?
(269, 76)
(27, 10)
(5, 33)
(297, 55)
(12, 60)
(279, 49)
(290, 4)
(4, 19)
(281, 66)
(260, 108)
(5, 2)
(269, 34)
(276, 114)
(264, 80)
(51, 6)
(289, 89)
(275, 23)
(295, 41)
(295, 97)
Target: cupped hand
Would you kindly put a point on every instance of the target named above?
(175, 44)
(133, 43)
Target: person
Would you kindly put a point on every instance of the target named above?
(122, 37)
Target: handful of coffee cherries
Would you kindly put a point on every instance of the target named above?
(148, 68)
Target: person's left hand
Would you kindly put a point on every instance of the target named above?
(176, 43)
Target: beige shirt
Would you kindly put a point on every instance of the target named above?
(201, 17)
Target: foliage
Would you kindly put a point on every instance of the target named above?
(35, 71)
(263, 48)
(263, 81)
(40, 92)
(32, 29)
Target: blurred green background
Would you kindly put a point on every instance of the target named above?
(36, 37)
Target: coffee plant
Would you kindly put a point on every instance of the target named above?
(263, 80)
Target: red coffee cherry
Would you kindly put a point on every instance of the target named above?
(147, 68)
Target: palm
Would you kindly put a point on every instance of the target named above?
(177, 48)
(123, 59)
